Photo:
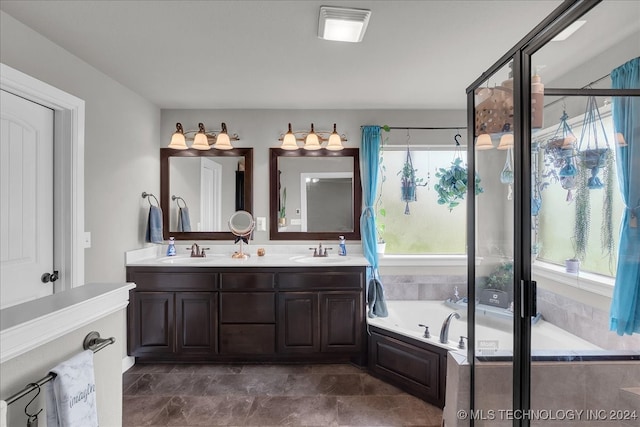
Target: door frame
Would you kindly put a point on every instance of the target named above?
(68, 174)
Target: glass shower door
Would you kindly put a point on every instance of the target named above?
(493, 213)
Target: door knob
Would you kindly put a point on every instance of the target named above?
(50, 277)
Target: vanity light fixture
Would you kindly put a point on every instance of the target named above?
(202, 139)
(313, 139)
(506, 141)
(342, 24)
(312, 142)
(483, 142)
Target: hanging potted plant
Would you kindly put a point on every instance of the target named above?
(408, 182)
(282, 212)
(593, 158)
(452, 184)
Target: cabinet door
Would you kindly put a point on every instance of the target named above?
(196, 322)
(153, 323)
(298, 322)
(341, 321)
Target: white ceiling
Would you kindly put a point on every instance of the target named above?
(266, 54)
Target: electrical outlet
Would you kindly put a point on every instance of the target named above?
(261, 223)
(87, 239)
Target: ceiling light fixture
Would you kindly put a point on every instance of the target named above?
(567, 32)
(342, 24)
(312, 139)
(202, 139)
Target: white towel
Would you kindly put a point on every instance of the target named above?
(3, 413)
(71, 395)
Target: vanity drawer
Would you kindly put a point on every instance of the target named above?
(321, 280)
(248, 281)
(174, 280)
(247, 307)
(247, 339)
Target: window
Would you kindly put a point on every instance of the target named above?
(428, 228)
(556, 219)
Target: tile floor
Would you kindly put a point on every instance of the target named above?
(267, 395)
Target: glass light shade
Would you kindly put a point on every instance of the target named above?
(620, 139)
(483, 142)
(289, 141)
(178, 142)
(506, 141)
(200, 142)
(568, 142)
(335, 142)
(312, 142)
(223, 142)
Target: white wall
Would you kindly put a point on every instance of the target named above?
(35, 364)
(121, 137)
(261, 129)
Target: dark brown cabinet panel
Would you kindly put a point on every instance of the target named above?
(340, 319)
(419, 369)
(246, 281)
(247, 307)
(196, 322)
(298, 322)
(154, 320)
(321, 279)
(247, 339)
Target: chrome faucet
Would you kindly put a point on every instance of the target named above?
(444, 332)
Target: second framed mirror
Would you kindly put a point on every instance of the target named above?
(314, 195)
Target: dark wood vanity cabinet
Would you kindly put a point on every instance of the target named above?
(250, 314)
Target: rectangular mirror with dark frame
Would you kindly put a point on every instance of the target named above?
(200, 190)
(314, 195)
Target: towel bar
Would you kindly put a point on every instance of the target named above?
(91, 342)
(148, 196)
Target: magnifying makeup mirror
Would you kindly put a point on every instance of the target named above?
(241, 224)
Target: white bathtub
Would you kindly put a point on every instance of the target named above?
(493, 335)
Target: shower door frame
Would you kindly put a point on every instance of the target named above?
(524, 288)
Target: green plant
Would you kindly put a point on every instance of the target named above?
(452, 184)
(282, 212)
(501, 278)
(582, 216)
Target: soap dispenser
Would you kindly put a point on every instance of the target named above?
(342, 250)
(171, 250)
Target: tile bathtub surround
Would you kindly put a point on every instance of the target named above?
(267, 395)
(428, 287)
(584, 321)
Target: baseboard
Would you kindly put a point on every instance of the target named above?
(127, 363)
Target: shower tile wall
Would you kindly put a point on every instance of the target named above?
(582, 320)
(431, 287)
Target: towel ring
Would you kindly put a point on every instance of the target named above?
(33, 417)
(148, 196)
(177, 199)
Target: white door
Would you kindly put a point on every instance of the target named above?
(26, 196)
(210, 195)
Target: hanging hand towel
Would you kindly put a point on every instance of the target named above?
(184, 222)
(154, 225)
(71, 395)
(375, 299)
(3, 413)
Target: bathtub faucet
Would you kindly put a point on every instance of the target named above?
(444, 332)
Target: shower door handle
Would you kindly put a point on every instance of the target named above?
(530, 289)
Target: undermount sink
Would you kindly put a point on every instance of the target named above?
(306, 259)
(182, 260)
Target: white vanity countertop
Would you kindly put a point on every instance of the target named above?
(220, 256)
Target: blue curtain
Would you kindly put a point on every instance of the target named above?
(370, 156)
(625, 306)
